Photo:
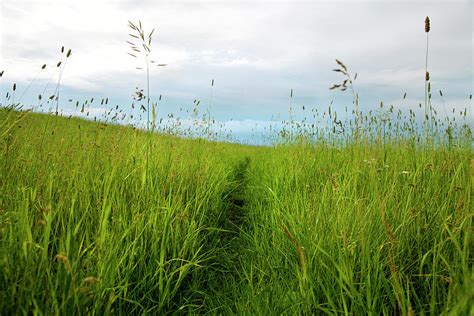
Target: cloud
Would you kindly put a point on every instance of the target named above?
(256, 51)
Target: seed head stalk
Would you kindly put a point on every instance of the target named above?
(147, 91)
(57, 90)
(349, 82)
(148, 123)
(355, 97)
(143, 45)
(209, 112)
(427, 75)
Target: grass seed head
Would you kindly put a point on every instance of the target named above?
(41, 222)
(91, 280)
(62, 258)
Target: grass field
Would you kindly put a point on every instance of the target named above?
(105, 219)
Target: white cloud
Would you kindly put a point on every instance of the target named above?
(256, 51)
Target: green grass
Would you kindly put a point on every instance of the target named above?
(355, 228)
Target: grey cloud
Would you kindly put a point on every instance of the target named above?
(256, 52)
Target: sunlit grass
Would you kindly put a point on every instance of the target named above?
(379, 226)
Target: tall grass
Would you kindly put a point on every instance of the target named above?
(382, 227)
(77, 233)
(374, 230)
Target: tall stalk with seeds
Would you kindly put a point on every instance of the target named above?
(427, 74)
(61, 67)
(349, 83)
(209, 111)
(140, 44)
(143, 48)
(31, 82)
(13, 94)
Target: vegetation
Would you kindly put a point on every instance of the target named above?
(339, 218)
(225, 228)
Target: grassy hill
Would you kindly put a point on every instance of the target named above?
(98, 218)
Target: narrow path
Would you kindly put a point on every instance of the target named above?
(235, 197)
(233, 223)
(210, 291)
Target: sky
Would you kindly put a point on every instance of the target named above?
(255, 51)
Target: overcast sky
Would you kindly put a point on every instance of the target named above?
(256, 51)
